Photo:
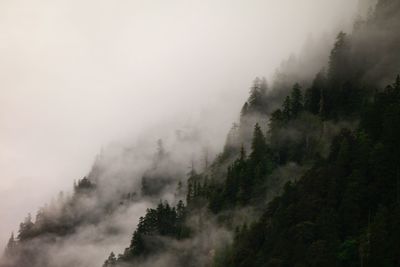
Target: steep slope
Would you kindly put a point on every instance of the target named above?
(311, 181)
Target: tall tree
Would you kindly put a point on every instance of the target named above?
(26, 228)
(11, 246)
(312, 98)
(338, 59)
(296, 100)
(257, 95)
(258, 145)
(287, 108)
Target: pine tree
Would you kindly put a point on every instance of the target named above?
(276, 122)
(296, 100)
(192, 184)
(11, 246)
(312, 98)
(338, 67)
(137, 246)
(258, 145)
(26, 228)
(287, 109)
(257, 95)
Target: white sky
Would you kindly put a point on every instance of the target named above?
(78, 74)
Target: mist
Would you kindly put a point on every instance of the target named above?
(76, 76)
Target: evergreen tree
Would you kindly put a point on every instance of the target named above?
(11, 246)
(296, 101)
(26, 229)
(339, 74)
(287, 109)
(338, 67)
(137, 246)
(312, 98)
(257, 96)
(164, 220)
(276, 121)
(192, 184)
(258, 145)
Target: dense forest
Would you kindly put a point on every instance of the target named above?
(308, 176)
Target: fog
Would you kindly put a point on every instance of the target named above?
(76, 76)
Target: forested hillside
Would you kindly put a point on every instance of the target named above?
(308, 176)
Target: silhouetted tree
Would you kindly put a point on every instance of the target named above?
(296, 101)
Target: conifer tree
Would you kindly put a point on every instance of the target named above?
(257, 95)
(312, 98)
(26, 228)
(258, 145)
(338, 71)
(287, 109)
(192, 184)
(296, 103)
(11, 246)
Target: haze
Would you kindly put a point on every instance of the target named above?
(78, 75)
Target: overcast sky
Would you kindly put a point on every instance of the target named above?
(76, 75)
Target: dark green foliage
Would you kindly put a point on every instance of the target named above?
(344, 211)
(258, 145)
(342, 94)
(260, 164)
(348, 253)
(287, 109)
(294, 132)
(338, 61)
(296, 101)
(246, 176)
(313, 96)
(293, 105)
(164, 221)
(198, 188)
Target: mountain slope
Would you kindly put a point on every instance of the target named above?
(308, 177)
